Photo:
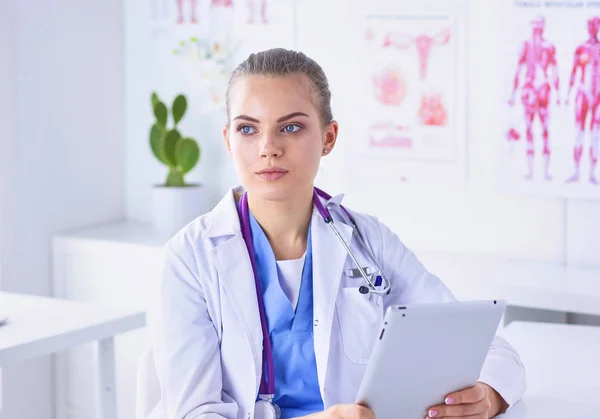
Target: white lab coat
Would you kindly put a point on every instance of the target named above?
(207, 337)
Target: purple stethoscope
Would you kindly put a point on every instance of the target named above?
(265, 408)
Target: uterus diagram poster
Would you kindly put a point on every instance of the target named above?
(414, 89)
(550, 70)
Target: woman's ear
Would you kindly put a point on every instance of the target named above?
(331, 133)
(226, 138)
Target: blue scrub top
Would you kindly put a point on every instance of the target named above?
(292, 340)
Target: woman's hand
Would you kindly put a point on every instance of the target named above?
(344, 411)
(478, 402)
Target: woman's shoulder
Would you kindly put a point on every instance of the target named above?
(197, 235)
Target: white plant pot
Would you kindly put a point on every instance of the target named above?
(174, 207)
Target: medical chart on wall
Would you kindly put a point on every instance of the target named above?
(551, 115)
(413, 88)
(412, 75)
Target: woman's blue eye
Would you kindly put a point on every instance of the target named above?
(245, 129)
(291, 128)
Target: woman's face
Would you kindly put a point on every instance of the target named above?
(275, 135)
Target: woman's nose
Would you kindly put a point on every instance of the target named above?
(271, 147)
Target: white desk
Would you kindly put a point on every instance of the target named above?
(41, 326)
(562, 364)
(538, 285)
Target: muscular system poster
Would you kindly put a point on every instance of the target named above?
(551, 70)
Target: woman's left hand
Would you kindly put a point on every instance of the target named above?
(478, 402)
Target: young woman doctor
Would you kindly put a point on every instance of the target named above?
(262, 311)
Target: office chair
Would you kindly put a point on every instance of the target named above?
(148, 387)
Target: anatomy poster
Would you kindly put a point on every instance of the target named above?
(257, 21)
(414, 88)
(194, 12)
(551, 79)
(413, 99)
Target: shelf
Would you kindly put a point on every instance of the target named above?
(125, 232)
(524, 283)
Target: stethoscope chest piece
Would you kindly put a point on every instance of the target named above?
(264, 409)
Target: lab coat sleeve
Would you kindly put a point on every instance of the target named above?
(412, 283)
(186, 347)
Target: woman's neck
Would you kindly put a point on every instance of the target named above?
(285, 223)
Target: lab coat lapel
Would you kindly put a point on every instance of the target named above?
(329, 256)
(232, 262)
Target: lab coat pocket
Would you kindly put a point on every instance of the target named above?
(360, 317)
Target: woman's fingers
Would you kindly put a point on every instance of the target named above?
(464, 403)
(470, 395)
(460, 410)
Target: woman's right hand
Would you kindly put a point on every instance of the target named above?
(344, 411)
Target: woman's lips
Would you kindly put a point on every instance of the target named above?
(272, 173)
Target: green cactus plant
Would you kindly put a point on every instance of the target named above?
(180, 154)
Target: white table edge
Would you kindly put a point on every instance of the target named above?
(54, 344)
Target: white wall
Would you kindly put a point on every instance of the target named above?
(7, 75)
(67, 152)
(7, 140)
(475, 217)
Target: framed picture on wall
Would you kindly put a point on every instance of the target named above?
(412, 90)
(550, 74)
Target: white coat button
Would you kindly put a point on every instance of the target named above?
(248, 415)
(316, 322)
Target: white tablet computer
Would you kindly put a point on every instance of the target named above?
(425, 352)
